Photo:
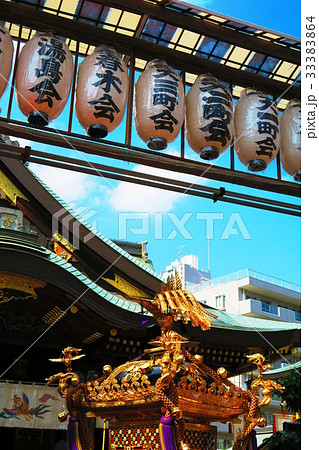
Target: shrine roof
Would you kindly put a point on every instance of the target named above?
(114, 244)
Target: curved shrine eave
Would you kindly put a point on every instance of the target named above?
(39, 263)
(229, 331)
(44, 204)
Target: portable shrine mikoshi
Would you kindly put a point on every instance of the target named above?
(167, 397)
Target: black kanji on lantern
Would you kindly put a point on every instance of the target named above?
(53, 56)
(46, 91)
(105, 106)
(164, 71)
(164, 121)
(214, 105)
(108, 79)
(107, 62)
(165, 93)
(267, 125)
(266, 146)
(218, 131)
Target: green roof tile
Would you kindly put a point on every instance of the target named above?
(98, 234)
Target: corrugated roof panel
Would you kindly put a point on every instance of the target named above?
(52, 4)
(113, 16)
(220, 51)
(216, 18)
(126, 32)
(268, 66)
(67, 8)
(153, 28)
(271, 35)
(206, 46)
(285, 70)
(171, 35)
(255, 62)
(239, 55)
(129, 20)
(232, 64)
(237, 90)
(91, 12)
(282, 104)
(149, 38)
(190, 78)
(251, 30)
(236, 25)
(178, 6)
(189, 39)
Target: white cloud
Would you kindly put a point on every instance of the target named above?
(70, 186)
(139, 198)
(96, 192)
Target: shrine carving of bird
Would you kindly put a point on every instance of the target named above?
(69, 354)
(174, 303)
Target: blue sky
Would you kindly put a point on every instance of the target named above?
(243, 237)
(280, 15)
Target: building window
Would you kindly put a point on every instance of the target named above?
(220, 301)
(298, 315)
(265, 306)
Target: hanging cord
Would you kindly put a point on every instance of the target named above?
(170, 402)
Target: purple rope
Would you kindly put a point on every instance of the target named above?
(74, 442)
(166, 431)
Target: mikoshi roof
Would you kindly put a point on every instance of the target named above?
(184, 28)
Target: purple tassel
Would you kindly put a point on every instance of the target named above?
(253, 440)
(166, 432)
(74, 441)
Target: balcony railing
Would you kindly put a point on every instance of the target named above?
(249, 273)
(252, 306)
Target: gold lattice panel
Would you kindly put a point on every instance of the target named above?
(199, 437)
(145, 436)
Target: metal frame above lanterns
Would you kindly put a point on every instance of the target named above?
(193, 41)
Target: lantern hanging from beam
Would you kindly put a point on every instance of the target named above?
(256, 122)
(209, 117)
(6, 54)
(101, 92)
(44, 76)
(159, 104)
(290, 144)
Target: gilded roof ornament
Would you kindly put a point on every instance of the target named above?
(167, 383)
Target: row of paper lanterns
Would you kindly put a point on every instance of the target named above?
(43, 83)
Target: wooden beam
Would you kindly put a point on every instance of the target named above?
(149, 158)
(90, 34)
(206, 28)
(148, 180)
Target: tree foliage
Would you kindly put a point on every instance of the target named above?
(292, 392)
(288, 440)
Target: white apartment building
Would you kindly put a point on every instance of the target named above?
(253, 294)
(188, 271)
